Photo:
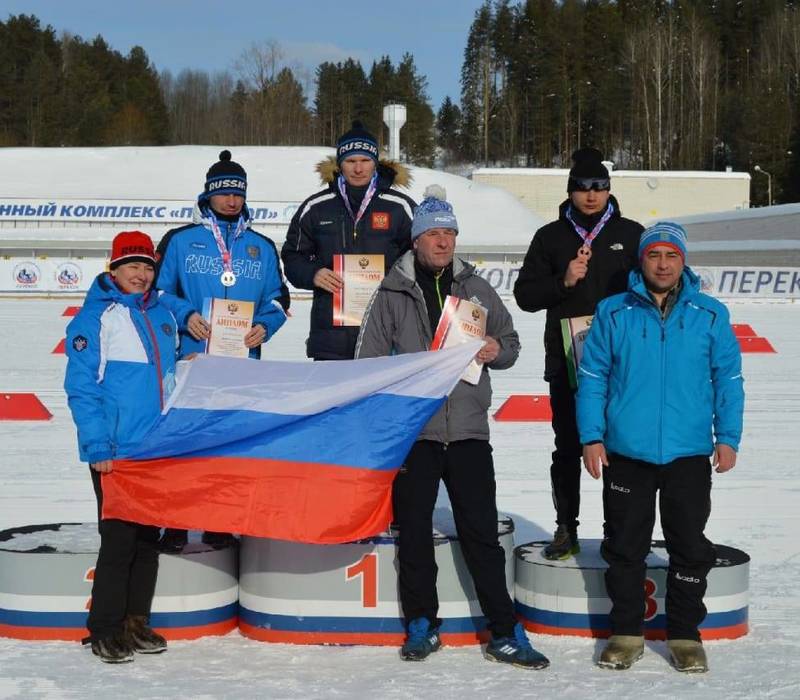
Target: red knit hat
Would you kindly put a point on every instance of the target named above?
(132, 246)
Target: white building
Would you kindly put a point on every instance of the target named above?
(644, 195)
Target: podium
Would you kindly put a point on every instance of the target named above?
(347, 593)
(568, 597)
(46, 574)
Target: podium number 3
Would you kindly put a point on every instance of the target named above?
(650, 604)
(367, 568)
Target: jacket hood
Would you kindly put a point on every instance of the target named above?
(562, 209)
(104, 292)
(390, 173)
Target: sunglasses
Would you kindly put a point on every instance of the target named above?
(586, 184)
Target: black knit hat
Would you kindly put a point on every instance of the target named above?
(588, 165)
(225, 177)
(357, 141)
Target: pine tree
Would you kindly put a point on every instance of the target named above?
(477, 85)
(448, 132)
(417, 136)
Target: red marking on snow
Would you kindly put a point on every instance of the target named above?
(71, 311)
(755, 345)
(525, 408)
(22, 407)
(59, 349)
(743, 330)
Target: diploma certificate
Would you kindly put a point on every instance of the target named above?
(461, 320)
(362, 275)
(573, 332)
(230, 322)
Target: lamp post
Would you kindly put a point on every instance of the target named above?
(759, 169)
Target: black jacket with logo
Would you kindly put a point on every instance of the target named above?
(322, 227)
(540, 284)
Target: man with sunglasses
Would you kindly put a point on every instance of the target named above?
(572, 264)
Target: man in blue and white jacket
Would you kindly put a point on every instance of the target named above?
(220, 256)
(660, 390)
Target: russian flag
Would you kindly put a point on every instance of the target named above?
(302, 451)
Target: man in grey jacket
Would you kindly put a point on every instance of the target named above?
(454, 446)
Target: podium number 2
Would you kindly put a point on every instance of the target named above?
(367, 568)
(89, 578)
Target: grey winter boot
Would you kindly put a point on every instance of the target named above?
(688, 656)
(141, 638)
(113, 650)
(621, 652)
(564, 544)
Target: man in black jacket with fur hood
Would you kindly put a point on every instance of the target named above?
(572, 264)
(358, 212)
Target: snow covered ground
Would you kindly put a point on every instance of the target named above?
(755, 508)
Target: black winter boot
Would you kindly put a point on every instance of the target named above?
(564, 545)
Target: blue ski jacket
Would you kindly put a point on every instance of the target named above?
(190, 267)
(121, 351)
(658, 389)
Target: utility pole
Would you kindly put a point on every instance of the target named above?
(759, 169)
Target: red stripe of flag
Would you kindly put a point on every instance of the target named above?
(298, 501)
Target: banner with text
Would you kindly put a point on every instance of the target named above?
(117, 210)
(71, 275)
(721, 282)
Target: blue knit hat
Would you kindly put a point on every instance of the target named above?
(225, 177)
(663, 233)
(434, 212)
(356, 142)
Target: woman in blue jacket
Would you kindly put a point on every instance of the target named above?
(121, 351)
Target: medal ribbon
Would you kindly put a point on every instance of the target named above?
(227, 263)
(368, 195)
(588, 236)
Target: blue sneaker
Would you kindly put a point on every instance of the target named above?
(516, 650)
(422, 640)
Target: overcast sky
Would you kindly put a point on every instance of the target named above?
(178, 34)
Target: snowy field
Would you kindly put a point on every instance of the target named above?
(755, 508)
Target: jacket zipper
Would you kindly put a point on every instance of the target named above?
(230, 252)
(663, 394)
(447, 400)
(156, 354)
(426, 325)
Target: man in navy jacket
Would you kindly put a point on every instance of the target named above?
(360, 211)
(660, 390)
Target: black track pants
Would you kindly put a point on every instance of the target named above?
(565, 471)
(629, 500)
(467, 469)
(125, 573)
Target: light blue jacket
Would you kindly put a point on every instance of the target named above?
(657, 390)
(121, 352)
(190, 268)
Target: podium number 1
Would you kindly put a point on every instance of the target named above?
(367, 568)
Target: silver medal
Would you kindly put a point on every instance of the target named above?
(228, 278)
